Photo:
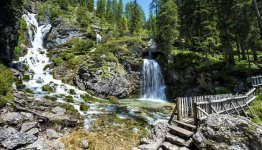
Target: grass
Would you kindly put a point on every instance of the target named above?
(6, 90)
(256, 107)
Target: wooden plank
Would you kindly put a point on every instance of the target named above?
(202, 111)
(172, 115)
(242, 109)
(213, 109)
(195, 114)
(178, 109)
(224, 108)
(234, 108)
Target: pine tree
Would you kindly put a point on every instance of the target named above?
(136, 18)
(90, 5)
(114, 10)
(167, 23)
(101, 8)
(109, 15)
(119, 12)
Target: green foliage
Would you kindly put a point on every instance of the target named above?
(52, 98)
(256, 107)
(167, 23)
(6, 81)
(69, 99)
(101, 8)
(222, 90)
(84, 107)
(83, 17)
(26, 77)
(72, 92)
(82, 46)
(48, 88)
(90, 5)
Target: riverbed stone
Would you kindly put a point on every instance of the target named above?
(6, 132)
(58, 110)
(27, 126)
(27, 116)
(33, 131)
(51, 134)
(18, 139)
(11, 118)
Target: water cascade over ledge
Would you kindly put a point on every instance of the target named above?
(152, 82)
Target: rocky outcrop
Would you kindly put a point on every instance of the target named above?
(32, 124)
(9, 16)
(228, 132)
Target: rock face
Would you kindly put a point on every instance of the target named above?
(118, 83)
(227, 132)
(8, 29)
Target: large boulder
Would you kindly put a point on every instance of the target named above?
(228, 132)
(17, 140)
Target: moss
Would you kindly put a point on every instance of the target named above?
(58, 61)
(84, 107)
(48, 88)
(6, 81)
(52, 98)
(69, 109)
(256, 108)
(27, 90)
(113, 99)
(72, 92)
(26, 77)
(69, 99)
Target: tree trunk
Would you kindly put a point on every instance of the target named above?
(244, 56)
(259, 18)
(254, 52)
(248, 59)
(238, 48)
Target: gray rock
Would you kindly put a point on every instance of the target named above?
(27, 126)
(18, 139)
(7, 132)
(33, 131)
(169, 146)
(51, 134)
(28, 116)
(84, 144)
(228, 132)
(11, 118)
(58, 110)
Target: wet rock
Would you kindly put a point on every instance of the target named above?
(27, 126)
(11, 118)
(51, 134)
(228, 132)
(18, 139)
(58, 110)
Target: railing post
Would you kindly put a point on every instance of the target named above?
(178, 103)
(195, 113)
(209, 106)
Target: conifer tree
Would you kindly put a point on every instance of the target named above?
(90, 5)
(101, 8)
(136, 18)
(119, 12)
(167, 23)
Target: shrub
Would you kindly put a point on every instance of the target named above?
(83, 46)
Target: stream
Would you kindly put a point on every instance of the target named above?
(36, 60)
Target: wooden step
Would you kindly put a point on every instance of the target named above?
(186, 125)
(180, 131)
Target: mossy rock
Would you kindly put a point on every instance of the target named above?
(113, 99)
(6, 81)
(27, 90)
(52, 98)
(72, 92)
(69, 99)
(84, 107)
(26, 77)
(48, 88)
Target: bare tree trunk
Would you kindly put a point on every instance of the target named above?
(248, 59)
(254, 52)
(259, 18)
(244, 56)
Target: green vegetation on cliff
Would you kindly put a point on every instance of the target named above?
(6, 90)
(256, 107)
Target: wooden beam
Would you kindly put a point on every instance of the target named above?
(202, 110)
(195, 114)
(234, 108)
(172, 115)
(242, 109)
(178, 103)
(224, 108)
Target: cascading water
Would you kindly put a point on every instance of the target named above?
(152, 83)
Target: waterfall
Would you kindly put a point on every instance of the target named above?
(152, 83)
(36, 60)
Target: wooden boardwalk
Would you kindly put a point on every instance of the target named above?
(191, 111)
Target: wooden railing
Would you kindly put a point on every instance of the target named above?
(229, 105)
(197, 108)
(257, 81)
